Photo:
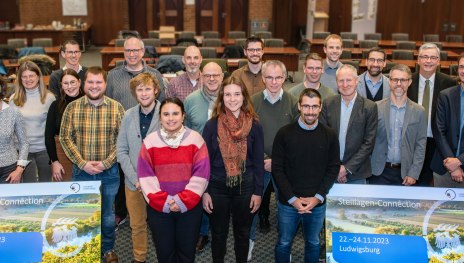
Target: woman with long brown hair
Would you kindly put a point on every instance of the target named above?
(235, 144)
(33, 100)
(70, 90)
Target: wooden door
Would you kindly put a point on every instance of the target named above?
(340, 16)
(221, 15)
(138, 16)
(10, 12)
(168, 13)
(109, 16)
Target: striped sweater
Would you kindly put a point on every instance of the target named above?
(180, 174)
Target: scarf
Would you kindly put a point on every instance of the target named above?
(232, 136)
(172, 140)
(210, 98)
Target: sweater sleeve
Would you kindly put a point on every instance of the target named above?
(149, 183)
(333, 164)
(23, 142)
(258, 159)
(191, 196)
(122, 149)
(278, 165)
(50, 131)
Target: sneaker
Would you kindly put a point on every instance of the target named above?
(250, 250)
(111, 257)
(119, 221)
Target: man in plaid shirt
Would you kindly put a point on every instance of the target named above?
(88, 134)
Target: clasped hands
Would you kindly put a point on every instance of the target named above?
(305, 204)
(453, 165)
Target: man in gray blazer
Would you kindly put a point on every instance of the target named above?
(447, 162)
(354, 118)
(137, 123)
(399, 149)
(373, 84)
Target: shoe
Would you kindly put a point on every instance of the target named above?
(119, 221)
(202, 242)
(250, 250)
(111, 257)
(264, 225)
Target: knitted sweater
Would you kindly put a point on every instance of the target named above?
(12, 127)
(35, 117)
(180, 174)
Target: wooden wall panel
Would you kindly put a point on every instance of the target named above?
(109, 16)
(339, 16)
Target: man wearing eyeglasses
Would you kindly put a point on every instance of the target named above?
(199, 108)
(354, 119)
(71, 53)
(305, 165)
(275, 108)
(181, 86)
(401, 138)
(313, 69)
(373, 84)
(447, 162)
(250, 74)
(333, 48)
(425, 87)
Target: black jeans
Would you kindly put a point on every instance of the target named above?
(175, 234)
(229, 201)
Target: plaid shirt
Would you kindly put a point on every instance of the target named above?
(89, 132)
(181, 87)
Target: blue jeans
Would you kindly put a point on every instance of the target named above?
(204, 227)
(109, 187)
(289, 219)
(267, 179)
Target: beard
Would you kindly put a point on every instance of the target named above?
(310, 122)
(373, 72)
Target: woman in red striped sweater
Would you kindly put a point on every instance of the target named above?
(173, 169)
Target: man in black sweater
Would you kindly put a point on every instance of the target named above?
(305, 164)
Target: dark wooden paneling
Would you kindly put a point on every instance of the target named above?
(108, 18)
(10, 11)
(340, 16)
(419, 17)
(289, 17)
(138, 16)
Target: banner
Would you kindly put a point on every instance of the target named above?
(50, 222)
(363, 16)
(370, 223)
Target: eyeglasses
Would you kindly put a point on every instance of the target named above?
(208, 76)
(378, 60)
(70, 83)
(402, 81)
(461, 67)
(307, 107)
(317, 69)
(432, 58)
(134, 51)
(277, 79)
(253, 50)
(70, 52)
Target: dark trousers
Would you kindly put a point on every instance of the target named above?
(264, 207)
(389, 176)
(426, 175)
(175, 234)
(229, 201)
(5, 172)
(120, 208)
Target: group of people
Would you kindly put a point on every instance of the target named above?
(203, 148)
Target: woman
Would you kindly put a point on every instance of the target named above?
(70, 91)
(33, 100)
(12, 164)
(173, 170)
(236, 148)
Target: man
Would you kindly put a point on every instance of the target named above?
(198, 108)
(447, 162)
(372, 84)
(275, 108)
(140, 120)
(71, 53)
(333, 48)
(250, 74)
(354, 119)
(181, 86)
(428, 79)
(399, 148)
(118, 89)
(297, 146)
(89, 130)
(313, 69)
(119, 77)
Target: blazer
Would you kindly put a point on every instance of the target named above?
(442, 81)
(447, 127)
(360, 137)
(130, 141)
(413, 139)
(361, 89)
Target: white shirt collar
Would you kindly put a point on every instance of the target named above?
(268, 97)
